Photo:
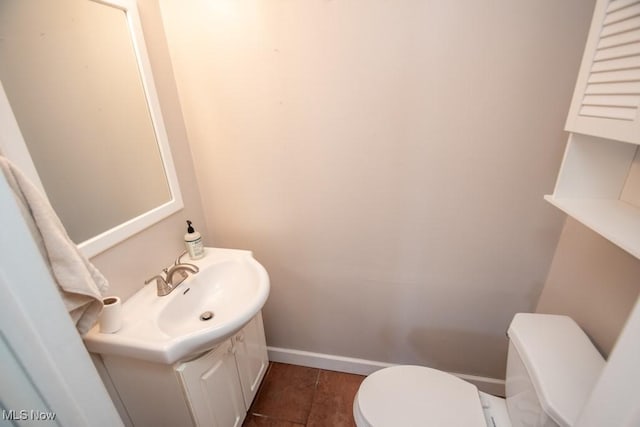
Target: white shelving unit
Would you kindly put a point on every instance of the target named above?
(599, 181)
(606, 100)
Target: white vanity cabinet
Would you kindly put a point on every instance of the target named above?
(599, 180)
(214, 389)
(221, 385)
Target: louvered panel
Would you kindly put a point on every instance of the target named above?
(631, 49)
(613, 83)
(623, 88)
(619, 4)
(619, 39)
(615, 76)
(612, 100)
(609, 112)
(621, 14)
(620, 27)
(616, 64)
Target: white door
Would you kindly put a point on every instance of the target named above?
(251, 357)
(213, 388)
(46, 375)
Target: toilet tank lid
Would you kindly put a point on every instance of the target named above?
(561, 360)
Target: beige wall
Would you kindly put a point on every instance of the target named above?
(385, 161)
(593, 281)
(129, 263)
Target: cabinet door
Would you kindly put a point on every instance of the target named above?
(251, 357)
(213, 389)
(606, 101)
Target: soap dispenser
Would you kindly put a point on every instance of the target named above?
(193, 242)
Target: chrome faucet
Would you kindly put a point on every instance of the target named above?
(170, 281)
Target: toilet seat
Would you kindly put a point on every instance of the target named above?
(417, 396)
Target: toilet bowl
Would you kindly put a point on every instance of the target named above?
(551, 367)
(428, 397)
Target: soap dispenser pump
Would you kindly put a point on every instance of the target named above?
(193, 242)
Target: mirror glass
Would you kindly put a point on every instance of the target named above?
(76, 76)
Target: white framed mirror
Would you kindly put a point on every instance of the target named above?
(80, 115)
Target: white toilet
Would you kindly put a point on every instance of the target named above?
(551, 369)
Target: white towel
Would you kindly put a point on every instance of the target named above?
(80, 284)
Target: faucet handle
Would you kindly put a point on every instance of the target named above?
(159, 279)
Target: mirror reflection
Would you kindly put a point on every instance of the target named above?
(70, 73)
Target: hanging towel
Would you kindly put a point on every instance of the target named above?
(80, 284)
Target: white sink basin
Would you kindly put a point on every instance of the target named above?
(231, 285)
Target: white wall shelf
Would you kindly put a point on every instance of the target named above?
(599, 181)
(599, 185)
(615, 220)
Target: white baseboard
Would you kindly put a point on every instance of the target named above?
(364, 367)
(325, 361)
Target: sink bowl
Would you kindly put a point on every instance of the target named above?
(204, 310)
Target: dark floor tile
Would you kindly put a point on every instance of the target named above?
(333, 401)
(286, 393)
(260, 421)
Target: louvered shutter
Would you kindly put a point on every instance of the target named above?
(606, 101)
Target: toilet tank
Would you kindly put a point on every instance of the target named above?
(551, 368)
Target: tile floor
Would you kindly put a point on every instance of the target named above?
(297, 396)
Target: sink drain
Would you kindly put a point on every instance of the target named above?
(207, 315)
